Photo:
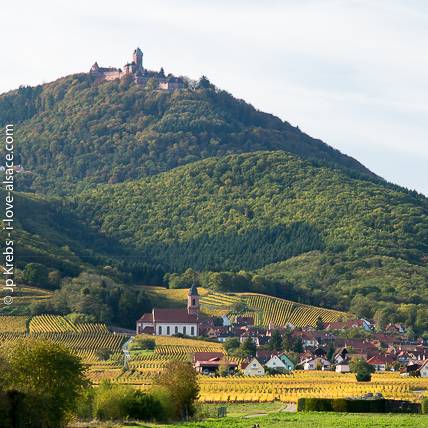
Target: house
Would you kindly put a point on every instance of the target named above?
(244, 320)
(253, 368)
(226, 320)
(349, 324)
(208, 363)
(377, 363)
(343, 366)
(222, 337)
(166, 322)
(398, 328)
(424, 369)
(276, 363)
(312, 363)
(308, 339)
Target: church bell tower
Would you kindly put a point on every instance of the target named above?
(193, 301)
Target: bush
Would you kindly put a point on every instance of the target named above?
(301, 404)
(339, 405)
(425, 405)
(318, 405)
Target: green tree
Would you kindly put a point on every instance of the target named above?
(36, 275)
(152, 84)
(248, 347)
(298, 345)
(362, 369)
(231, 344)
(287, 341)
(203, 83)
(319, 324)
(275, 341)
(180, 380)
(330, 352)
(51, 376)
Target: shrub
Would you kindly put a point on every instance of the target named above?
(301, 404)
(425, 405)
(339, 405)
(318, 405)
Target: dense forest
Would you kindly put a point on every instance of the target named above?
(75, 133)
(139, 186)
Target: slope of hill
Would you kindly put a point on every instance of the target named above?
(76, 133)
(156, 181)
(248, 211)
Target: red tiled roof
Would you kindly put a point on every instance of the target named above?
(146, 318)
(375, 360)
(205, 356)
(173, 315)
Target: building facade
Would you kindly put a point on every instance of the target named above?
(166, 322)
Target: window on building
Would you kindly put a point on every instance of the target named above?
(160, 329)
(176, 329)
(168, 331)
(192, 331)
(184, 330)
(194, 302)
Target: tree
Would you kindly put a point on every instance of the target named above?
(36, 275)
(51, 377)
(319, 324)
(248, 347)
(231, 344)
(180, 380)
(362, 369)
(330, 352)
(203, 83)
(298, 345)
(152, 84)
(287, 341)
(275, 341)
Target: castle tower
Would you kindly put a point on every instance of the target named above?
(193, 301)
(137, 57)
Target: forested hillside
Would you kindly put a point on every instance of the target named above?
(76, 133)
(141, 186)
(243, 212)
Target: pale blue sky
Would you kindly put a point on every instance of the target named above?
(353, 73)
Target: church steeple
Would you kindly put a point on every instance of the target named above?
(193, 300)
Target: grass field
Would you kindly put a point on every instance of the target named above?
(278, 419)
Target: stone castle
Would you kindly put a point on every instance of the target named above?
(140, 74)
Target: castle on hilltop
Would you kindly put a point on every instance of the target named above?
(140, 74)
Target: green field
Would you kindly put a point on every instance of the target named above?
(295, 420)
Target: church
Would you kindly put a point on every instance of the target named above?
(166, 322)
(139, 73)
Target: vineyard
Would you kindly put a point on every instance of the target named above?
(23, 296)
(289, 388)
(282, 312)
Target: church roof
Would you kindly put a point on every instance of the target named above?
(138, 51)
(193, 290)
(174, 315)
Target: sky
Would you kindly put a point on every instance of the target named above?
(352, 73)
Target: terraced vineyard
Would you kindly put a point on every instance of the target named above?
(59, 324)
(23, 296)
(13, 324)
(282, 312)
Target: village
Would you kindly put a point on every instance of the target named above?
(326, 346)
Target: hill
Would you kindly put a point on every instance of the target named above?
(333, 235)
(142, 186)
(77, 133)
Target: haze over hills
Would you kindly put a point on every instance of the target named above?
(152, 182)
